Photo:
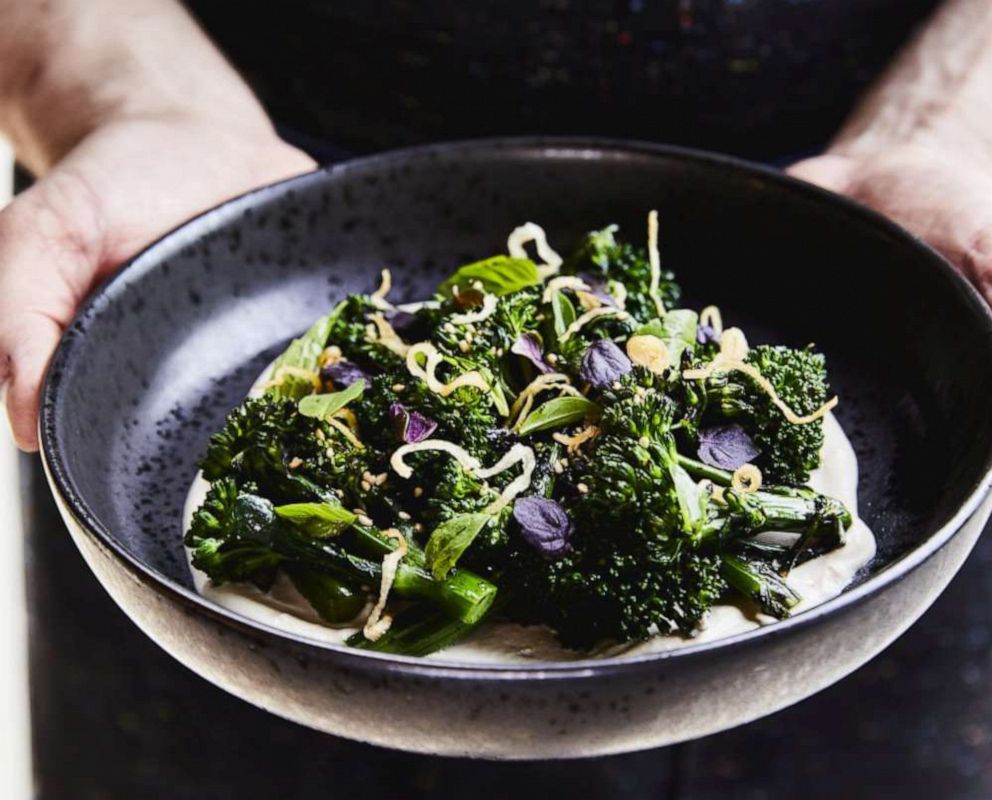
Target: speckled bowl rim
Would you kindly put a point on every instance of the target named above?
(62, 483)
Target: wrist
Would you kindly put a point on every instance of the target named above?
(93, 63)
(936, 95)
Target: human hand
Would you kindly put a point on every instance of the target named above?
(940, 193)
(121, 187)
(135, 123)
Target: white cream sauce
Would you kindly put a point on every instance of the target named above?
(816, 581)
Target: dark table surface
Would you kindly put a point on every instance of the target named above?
(115, 717)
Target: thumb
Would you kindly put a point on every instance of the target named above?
(829, 171)
(44, 271)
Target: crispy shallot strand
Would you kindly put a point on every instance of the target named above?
(746, 479)
(427, 372)
(589, 316)
(525, 400)
(711, 316)
(563, 282)
(531, 232)
(377, 623)
(346, 432)
(349, 418)
(733, 350)
(519, 453)
(378, 297)
(388, 337)
(574, 442)
(279, 377)
(489, 303)
(654, 258)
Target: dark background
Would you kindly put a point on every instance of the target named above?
(115, 718)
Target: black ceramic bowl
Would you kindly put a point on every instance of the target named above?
(163, 351)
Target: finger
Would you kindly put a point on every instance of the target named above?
(976, 262)
(41, 269)
(29, 347)
(829, 171)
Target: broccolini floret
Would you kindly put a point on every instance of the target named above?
(788, 452)
(601, 256)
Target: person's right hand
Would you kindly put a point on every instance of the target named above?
(118, 189)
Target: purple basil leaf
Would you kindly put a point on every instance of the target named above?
(597, 288)
(402, 321)
(410, 426)
(544, 525)
(726, 446)
(529, 346)
(705, 334)
(344, 373)
(603, 364)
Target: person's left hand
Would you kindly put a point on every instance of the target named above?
(940, 194)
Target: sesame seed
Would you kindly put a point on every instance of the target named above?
(644, 441)
(399, 387)
(365, 520)
(583, 489)
(403, 515)
(295, 463)
(551, 358)
(464, 345)
(558, 468)
(449, 328)
(366, 486)
(418, 491)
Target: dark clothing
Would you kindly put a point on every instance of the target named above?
(754, 77)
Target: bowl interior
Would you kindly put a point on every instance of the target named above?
(162, 353)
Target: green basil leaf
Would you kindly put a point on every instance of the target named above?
(317, 519)
(562, 312)
(303, 353)
(693, 500)
(450, 539)
(558, 412)
(498, 275)
(322, 406)
(677, 329)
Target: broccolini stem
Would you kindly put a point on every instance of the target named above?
(761, 584)
(335, 601)
(699, 470)
(462, 595)
(419, 631)
(787, 508)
